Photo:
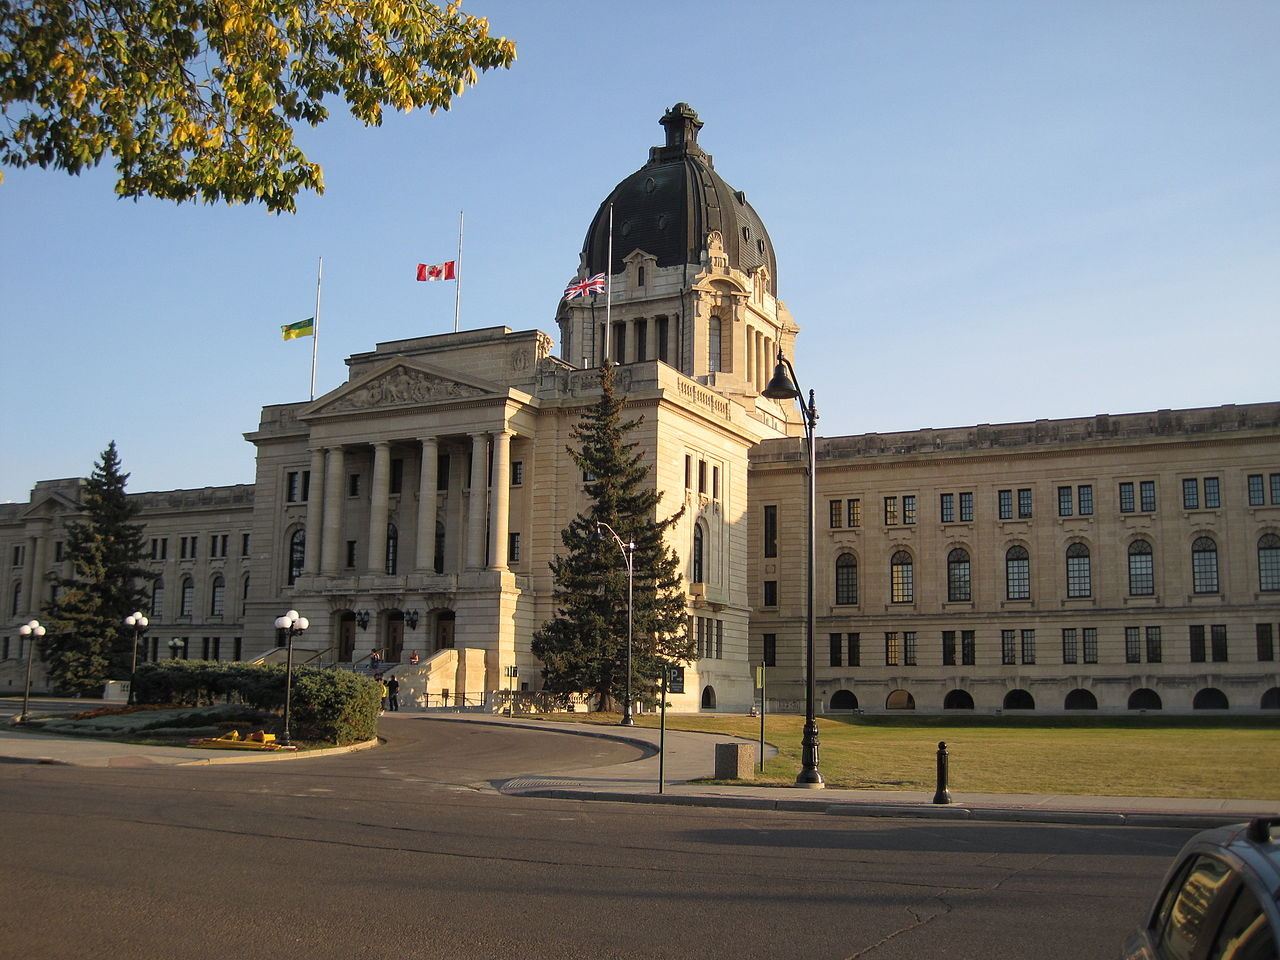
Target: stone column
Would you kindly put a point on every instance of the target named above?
(427, 503)
(749, 356)
(500, 501)
(378, 501)
(476, 502)
(334, 485)
(30, 571)
(315, 514)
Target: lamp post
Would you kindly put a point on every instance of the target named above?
(174, 646)
(32, 632)
(784, 386)
(292, 624)
(138, 623)
(628, 549)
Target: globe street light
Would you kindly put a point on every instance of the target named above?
(138, 623)
(32, 632)
(628, 555)
(174, 646)
(292, 624)
(784, 386)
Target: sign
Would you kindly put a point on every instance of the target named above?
(677, 680)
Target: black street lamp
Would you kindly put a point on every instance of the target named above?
(292, 624)
(32, 632)
(784, 386)
(628, 554)
(138, 623)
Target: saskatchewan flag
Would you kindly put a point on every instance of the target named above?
(303, 328)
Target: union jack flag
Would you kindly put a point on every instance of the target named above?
(580, 288)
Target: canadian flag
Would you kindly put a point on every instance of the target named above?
(437, 271)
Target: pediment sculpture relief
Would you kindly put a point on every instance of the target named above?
(404, 385)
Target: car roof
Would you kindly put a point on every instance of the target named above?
(1251, 846)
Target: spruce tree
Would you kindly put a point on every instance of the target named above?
(584, 647)
(87, 642)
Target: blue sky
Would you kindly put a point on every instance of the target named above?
(983, 212)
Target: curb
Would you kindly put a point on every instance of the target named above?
(201, 761)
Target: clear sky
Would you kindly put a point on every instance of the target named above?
(983, 211)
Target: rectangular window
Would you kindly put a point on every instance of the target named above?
(891, 651)
(1028, 646)
(1024, 503)
(351, 554)
(771, 531)
(770, 649)
(837, 650)
(1255, 490)
(292, 486)
(1197, 644)
(1069, 652)
(1005, 504)
(715, 483)
(968, 648)
(1132, 645)
(1084, 499)
(513, 548)
(306, 491)
(966, 507)
(702, 476)
(909, 508)
(948, 648)
(688, 472)
(1191, 494)
(1275, 488)
(1266, 646)
(1147, 494)
(855, 649)
(1089, 641)
(947, 508)
(353, 485)
(909, 648)
(771, 593)
(1066, 502)
(1008, 647)
(1155, 651)
(855, 513)
(517, 473)
(396, 484)
(663, 335)
(442, 472)
(1126, 498)
(890, 511)
(837, 513)
(719, 639)
(1212, 493)
(244, 544)
(155, 548)
(1218, 641)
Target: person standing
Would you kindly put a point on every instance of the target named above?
(393, 694)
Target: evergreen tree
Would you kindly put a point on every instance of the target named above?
(87, 642)
(584, 647)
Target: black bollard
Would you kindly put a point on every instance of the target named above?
(942, 794)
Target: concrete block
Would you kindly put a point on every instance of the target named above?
(735, 761)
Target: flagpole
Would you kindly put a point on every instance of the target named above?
(457, 276)
(608, 291)
(315, 327)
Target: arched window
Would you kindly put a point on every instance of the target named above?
(901, 578)
(1269, 562)
(393, 547)
(1271, 699)
(17, 599)
(1204, 565)
(437, 561)
(1017, 573)
(1145, 698)
(187, 597)
(297, 550)
(713, 345)
(698, 540)
(959, 583)
(157, 599)
(244, 593)
(1079, 573)
(1019, 700)
(1142, 578)
(957, 700)
(846, 578)
(900, 700)
(1080, 699)
(1210, 698)
(844, 700)
(708, 698)
(217, 593)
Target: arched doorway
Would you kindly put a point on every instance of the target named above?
(1081, 699)
(844, 700)
(900, 700)
(708, 697)
(1210, 698)
(1145, 699)
(445, 620)
(394, 637)
(1019, 700)
(957, 700)
(346, 636)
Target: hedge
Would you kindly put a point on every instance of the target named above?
(332, 706)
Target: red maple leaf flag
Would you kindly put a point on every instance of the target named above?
(438, 271)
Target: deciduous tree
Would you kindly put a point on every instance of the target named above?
(199, 99)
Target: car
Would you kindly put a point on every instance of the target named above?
(1219, 901)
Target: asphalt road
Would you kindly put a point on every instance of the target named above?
(407, 851)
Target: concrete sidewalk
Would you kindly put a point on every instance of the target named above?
(689, 757)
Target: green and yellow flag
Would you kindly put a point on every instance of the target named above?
(303, 328)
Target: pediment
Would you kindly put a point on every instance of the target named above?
(401, 384)
(50, 505)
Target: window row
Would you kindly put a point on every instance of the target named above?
(1143, 698)
(189, 547)
(217, 597)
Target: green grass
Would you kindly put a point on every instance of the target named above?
(1217, 757)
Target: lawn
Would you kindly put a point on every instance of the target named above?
(1218, 757)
